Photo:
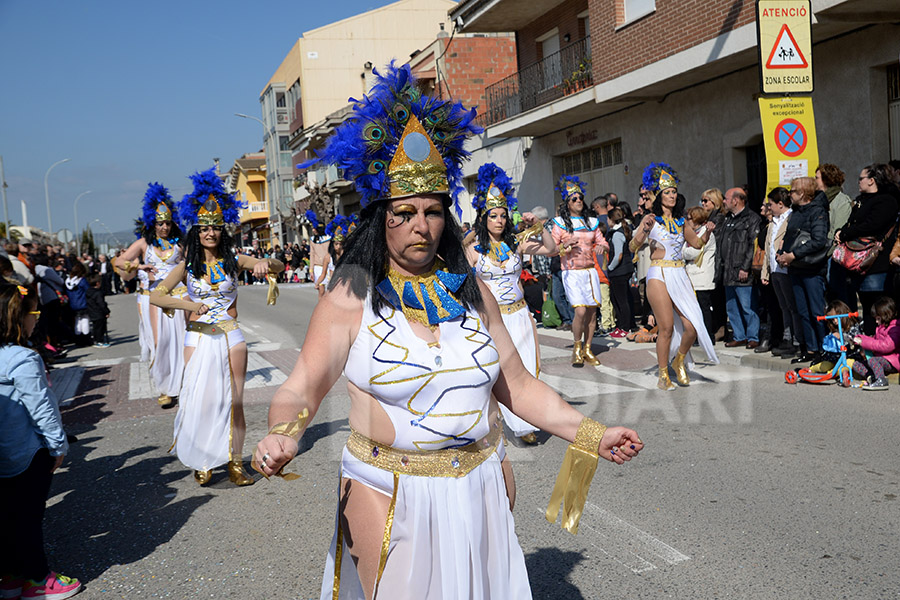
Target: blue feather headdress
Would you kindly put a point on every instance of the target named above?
(399, 143)
(338, 228)
(313, 218)
(659, 176)
(209, 203)
(493, 189)
(157, 205)
(571, 184)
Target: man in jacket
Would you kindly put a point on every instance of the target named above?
(736, 246)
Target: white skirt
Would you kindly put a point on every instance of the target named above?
(582, 286)
(168, 356)
(204, 421)
(522, 331)
(681, 291)
(452, 539)
(145, 329)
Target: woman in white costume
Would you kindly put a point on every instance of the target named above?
(153, 256)
(423, 510)
(337, 230)
(496, 255)
(210, 426)
(669, 288)
(576, 232)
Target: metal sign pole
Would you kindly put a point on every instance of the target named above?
(3, 189)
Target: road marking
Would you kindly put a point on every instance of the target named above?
(140, 385)
(106, 362)
(580, 388)
(263, 346)
(65, 383)
(262, 373)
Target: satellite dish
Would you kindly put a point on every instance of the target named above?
(65, 236)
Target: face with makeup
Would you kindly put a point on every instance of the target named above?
(496, 222)
(413, 228)
(669, 197)
(163, 229)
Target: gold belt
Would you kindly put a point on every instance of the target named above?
(666, 263)
(144, 292)
(447, 462)
(212, 328)
(514, 307)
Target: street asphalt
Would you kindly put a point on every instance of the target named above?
(748, 487)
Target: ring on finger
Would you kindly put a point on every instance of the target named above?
(264, 459)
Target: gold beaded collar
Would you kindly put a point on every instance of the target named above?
(427, 298)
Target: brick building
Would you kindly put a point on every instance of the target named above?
(605, 87)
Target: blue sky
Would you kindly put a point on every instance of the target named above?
(134, 92)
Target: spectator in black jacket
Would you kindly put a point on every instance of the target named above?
(735, 245)
(804, 252)
(874, 216)
(97, 310)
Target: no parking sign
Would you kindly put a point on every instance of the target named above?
(789, 134)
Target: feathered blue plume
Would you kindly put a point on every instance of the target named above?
(206, 183)
(652, 174)
(364, 145)
(155, 194)
(561, 185)
(339, 224)
(487, 174)
(313, 218)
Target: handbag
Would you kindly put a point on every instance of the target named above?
(811, 260)
(549, 315)
(858, 255)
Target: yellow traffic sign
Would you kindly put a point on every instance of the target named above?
(789, 135)
(784, 41)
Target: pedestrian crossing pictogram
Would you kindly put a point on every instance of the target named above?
(786, 53)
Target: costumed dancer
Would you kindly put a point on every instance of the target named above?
(318, 245)
(210, 426)
(156, 252)
(577, 233)
(423, 510)
(669, 288)
(495, 252)
(337, 230)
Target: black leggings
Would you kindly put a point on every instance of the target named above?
(620, 294)
(23, 499)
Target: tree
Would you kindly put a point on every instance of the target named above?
(320, 201)
(87, 242)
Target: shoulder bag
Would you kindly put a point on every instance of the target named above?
(858, 255)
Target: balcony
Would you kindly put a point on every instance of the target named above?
(556, 76)
(258, 207)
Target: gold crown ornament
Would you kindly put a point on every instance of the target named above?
(163, 214)
(495, 198)
(417, 166)
(211, 213)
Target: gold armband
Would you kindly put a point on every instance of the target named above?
(292, 429)
(575, 475)
(130, 267)
(162, 289)
(634, 245)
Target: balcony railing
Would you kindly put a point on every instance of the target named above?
(557, 75)
(258, 207)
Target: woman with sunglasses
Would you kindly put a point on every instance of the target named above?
(577, 234)
(210, 426)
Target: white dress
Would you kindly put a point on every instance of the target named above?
(145, 329)
(451, 538)
(671, 270)
(204, 421)
(503, 281)
(167, 365)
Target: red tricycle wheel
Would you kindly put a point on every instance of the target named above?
(791, 377)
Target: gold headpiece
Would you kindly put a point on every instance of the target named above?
(666, 180)
(163, 213)
(495, 198)
(573, 188)
(417, 166)
(210, 213)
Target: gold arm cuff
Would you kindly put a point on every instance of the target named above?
(272, 295)
(634, 245)
(130, 267)
(292, 429)
(162, 289)
(575, 475)
(530, 232)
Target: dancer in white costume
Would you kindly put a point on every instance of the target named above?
(576, 232)
(337, 231)
(210, 426)
(154, 254)
(496, 255)
(423, 510)
(669, 288)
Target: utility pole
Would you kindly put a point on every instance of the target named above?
(3, 187)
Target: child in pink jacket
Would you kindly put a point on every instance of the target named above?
(885, 347)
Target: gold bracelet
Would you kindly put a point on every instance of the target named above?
(292, 429)
(163, 289)
(589, 434)
(130, 267)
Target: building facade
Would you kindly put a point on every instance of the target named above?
(606, 87)
(247, 180)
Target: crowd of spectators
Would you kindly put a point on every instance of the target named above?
(763, 277)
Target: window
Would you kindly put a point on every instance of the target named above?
(635, 9)
(600, 167)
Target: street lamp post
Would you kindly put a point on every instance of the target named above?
(3, 187)
(75, 208)
(47, 194)
(277, 193)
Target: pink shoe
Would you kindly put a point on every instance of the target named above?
(11, 587)
(618, 333)
(55, 587)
